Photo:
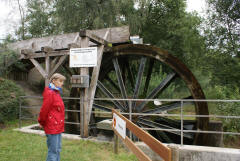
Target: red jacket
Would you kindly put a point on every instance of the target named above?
(52, 113)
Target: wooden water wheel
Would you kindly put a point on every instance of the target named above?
(147, 72)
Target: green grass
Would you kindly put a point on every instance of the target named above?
(17, 146)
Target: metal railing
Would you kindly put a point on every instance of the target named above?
(131, 114)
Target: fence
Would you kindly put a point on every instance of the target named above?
(180, 113)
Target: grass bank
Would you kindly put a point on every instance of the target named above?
(17, 146)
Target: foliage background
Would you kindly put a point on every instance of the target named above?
(209, 46)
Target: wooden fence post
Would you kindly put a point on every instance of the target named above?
(115, 144)
(175, 152)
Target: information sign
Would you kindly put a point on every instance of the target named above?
(83, 57)
(119, 125)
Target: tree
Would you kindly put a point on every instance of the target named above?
(40, 20)
(223, 41)
(169, 27)
(224, 23)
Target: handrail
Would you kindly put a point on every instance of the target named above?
(162, 150)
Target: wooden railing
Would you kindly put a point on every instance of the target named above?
(163, 151)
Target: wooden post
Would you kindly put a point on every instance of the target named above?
(84, 96)
(115, 144)
(174, 151)
(47, 65)
(47, 50)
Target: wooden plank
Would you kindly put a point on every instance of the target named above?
(136, 150)
(116, 35)
(61, 60)
(94, 38)
(94, 78)
(153, 143)
(39, 67)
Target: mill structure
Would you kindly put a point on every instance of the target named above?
(124, 70)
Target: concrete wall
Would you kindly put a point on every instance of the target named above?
(199, 153)
(195, 153)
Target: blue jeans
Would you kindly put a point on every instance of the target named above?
(54, 144)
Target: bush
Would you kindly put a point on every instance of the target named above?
(226, 108)
(9, 100)
(9, 62)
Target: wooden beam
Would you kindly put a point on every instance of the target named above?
(94, 79)
(47, 66)
(46, 49)
(95, 75)
(51, 54)
(39, 68)
(53, 62)
(61, 60)
(94, 38)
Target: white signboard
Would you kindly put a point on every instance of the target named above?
(83, 57)
(119, 125)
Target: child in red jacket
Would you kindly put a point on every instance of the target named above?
(51, 116)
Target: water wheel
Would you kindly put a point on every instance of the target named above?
(147, 72)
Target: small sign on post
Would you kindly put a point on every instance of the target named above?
(119, 125)
(83, 57)
(79, 81)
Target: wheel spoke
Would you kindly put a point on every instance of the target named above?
(158, 89)
(160, 134)
(101, 107)
(149, 73)
(139, 79)
(173, 123)
(170, 122)
(123, 71)
(120, 80)
(130, 74)
(112, 83)
(158, 125)
(110, 95)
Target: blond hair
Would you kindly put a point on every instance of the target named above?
(57, 76)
